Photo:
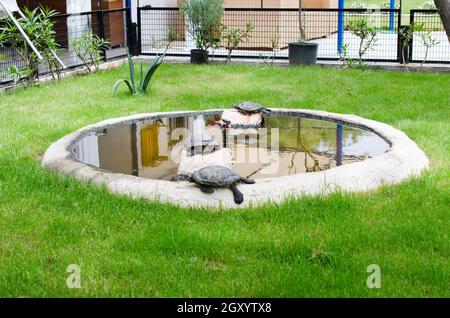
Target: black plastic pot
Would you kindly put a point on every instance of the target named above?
(199, 56)
(303, 53)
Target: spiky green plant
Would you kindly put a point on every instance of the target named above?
(144, 81)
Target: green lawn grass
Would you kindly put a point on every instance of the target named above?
(308, 247)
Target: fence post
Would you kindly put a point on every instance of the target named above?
(392, 16)
(139, 27)
(404, 53)
(131, 32)
(410, 47)
(340, 43)
(101, 32)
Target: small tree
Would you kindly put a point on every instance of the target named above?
(426, 38)
(202, 17)
(235, 36)
(275, 45)
(88, 48)
(367, 36)
(300, 22)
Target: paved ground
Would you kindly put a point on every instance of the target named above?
(385, 48)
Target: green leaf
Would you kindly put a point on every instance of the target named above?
(127, 82)
(151, 71)
(132, 75)
(141, 77)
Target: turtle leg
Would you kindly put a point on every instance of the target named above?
(238, 196)
(206, 190)
(247, 181)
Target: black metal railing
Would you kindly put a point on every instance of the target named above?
(433, 32)
(328, 27)
(111, 25)
(273, 29)
(276, 26)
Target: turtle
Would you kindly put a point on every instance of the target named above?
(212, 177)
(252, 108)
(200, 147)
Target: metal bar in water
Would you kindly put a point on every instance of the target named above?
(339, 137)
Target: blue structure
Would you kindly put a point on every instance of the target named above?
(339, 144)
(392, 16)
(340, 43)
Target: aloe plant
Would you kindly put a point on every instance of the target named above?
(144, 81)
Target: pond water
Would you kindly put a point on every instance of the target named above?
(285, 145)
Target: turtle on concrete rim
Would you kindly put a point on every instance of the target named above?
(252, 108)
(212, 177)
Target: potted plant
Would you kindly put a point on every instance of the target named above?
(302, 52)
(202, 18)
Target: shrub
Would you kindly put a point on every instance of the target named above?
(39, 26)
(367, 36)
(427, 40)
(88, 48)
(235, 36)
(426, 37)
(203, 17)
(18, 75)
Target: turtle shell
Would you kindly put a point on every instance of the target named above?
(215, 176)
(249, 107)
(198, 147)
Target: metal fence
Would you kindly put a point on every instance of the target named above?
(111, 25)
(433, 32)
(273, 29)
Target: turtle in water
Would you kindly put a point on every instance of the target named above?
(212, 177)
(201, 147)
(251, 108)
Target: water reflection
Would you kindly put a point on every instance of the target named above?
(286, 145)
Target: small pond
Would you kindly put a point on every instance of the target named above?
(285, 145)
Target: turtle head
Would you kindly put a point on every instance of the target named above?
(266, 111)
(183, 177)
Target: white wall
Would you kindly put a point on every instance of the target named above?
(77, 25)
(75, 6)
(134, 10)
(153, 3)
(159, 3)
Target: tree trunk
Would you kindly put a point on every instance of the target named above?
(443, 7)
(300, 21)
